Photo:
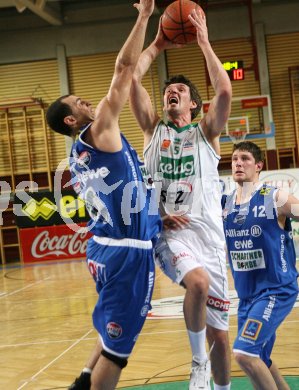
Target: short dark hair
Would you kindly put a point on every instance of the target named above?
(55, 115)
(251, 147)
(194, 94)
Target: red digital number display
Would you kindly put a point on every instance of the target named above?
(238, 74)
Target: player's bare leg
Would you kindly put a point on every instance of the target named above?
(94, 356)
(257, 371)
(196, 283)
(279, 379)
(220, 355)
(83, 381)
(105, 375)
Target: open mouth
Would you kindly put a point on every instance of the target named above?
(173, 100)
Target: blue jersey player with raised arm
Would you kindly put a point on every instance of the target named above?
(262, 258)
(119, 196)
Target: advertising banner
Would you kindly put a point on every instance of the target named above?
(47, 208)
(53, 243)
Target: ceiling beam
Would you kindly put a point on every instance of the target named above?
(40, 8)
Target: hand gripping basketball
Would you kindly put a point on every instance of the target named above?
(175, 23)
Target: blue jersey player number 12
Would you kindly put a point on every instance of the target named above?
(262, 258)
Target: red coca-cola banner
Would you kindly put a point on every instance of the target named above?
(58, 242)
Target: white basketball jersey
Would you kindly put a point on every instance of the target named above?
(184, 167)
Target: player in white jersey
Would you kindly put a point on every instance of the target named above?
(183, 157)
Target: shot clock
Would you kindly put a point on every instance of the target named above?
(234, 69)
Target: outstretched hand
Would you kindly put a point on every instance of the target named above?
(145, 7)
(198, 19)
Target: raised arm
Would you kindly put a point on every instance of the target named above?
(105, 132)
(140, 101)
(214, 121)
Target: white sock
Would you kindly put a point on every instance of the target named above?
(86, 369)
(198, 344)
(218, 387)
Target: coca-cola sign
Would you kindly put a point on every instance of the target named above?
(53, 243)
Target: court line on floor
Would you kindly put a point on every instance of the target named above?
(84, 338)
(23, 288)
(78, 297)
(54, 360)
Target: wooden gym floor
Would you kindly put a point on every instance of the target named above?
(46, 332)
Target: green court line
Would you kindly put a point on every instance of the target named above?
(237, 384)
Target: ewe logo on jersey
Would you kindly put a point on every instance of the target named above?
(176, 169)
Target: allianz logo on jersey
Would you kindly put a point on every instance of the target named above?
(176, 169)
(237, 233)
(255, 231)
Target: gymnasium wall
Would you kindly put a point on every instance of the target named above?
(283, 54)
(97, 29)
(96, 36)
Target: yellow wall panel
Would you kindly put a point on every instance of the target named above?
(282, 53)
(38, 79)
(90, 78)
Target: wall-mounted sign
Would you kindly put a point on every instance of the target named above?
(41, 209)
(53, 243)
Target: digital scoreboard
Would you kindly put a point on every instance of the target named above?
(234, 69)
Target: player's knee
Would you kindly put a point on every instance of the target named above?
(239, 358)
(244, 361)
(219, 340)
(120, 362)
(197, 282)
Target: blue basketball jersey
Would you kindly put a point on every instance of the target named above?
(261, 254)
(117, 190)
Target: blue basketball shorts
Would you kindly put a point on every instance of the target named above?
(258, 320)
(124, 277)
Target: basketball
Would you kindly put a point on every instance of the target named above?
(175, 23)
